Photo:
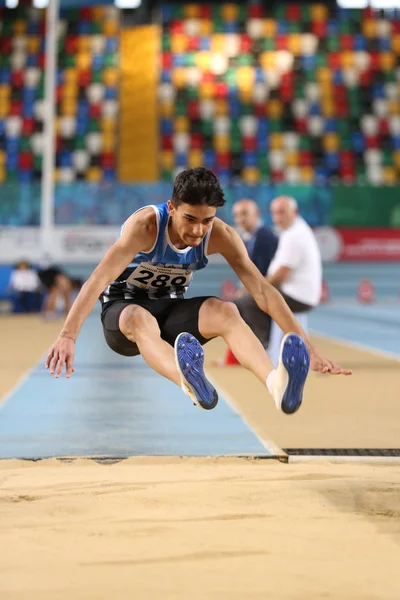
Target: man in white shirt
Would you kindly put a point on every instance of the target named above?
(296, 268)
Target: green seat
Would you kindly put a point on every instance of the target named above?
(110, 60)
(269, 44)
(166, 175)
(166, 42)
(276, 125)
(190, 60)
(37, 162)
(207, 127)
(25, 144)
(245, 60)
(332, 43)
(192, 92)
(279, 12)
(80, 142)
(305, 143)
(94, 126)
(180, 108)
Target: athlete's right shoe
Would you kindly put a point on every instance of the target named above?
(189, 357)
(291, 374)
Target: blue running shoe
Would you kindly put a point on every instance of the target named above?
(291, 374)
(189, 358)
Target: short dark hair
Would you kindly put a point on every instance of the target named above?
(197, 186)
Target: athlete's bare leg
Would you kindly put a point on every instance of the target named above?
(219, 318)
(140, 327)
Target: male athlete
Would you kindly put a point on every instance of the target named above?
(141, 282)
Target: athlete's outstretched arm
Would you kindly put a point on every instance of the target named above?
(138, 234)
(225, 241)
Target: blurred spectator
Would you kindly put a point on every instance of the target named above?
(24, 286)
(296, 269)
(58, 285)
(261, 244)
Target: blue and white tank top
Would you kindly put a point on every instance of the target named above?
(162, 272)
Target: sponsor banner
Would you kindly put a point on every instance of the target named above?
(60, 245)
(346, 245)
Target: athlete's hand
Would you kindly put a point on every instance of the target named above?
(324, 365)
(60, 354)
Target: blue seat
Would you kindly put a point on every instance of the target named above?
(358, 142)
(330, 125)
(111, 93)
(179, 60)
(332, 160)
(84, 28)
(166, 127)
(181, 159)
(111, 45)
(249, 159)
(230, 27)
(205, 43)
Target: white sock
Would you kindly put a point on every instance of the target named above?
(270, 380)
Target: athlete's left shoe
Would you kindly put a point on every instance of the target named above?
(291, 374)
(189, 358)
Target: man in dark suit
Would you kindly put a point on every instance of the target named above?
(261, 244)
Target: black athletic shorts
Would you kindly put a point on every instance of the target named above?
(173, 315)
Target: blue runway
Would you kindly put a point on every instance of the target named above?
(114, 406)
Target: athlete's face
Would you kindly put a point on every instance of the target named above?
(189, 224)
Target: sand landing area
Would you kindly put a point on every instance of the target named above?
(180, 528)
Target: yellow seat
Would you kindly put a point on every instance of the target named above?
(389, 175)
(110, 77)
(324, 75)
(98, 13)
(93, 174)
(68, 107)
(192, 11)
(387, 61)
(396, 158)
(5, 91)
(4, 108)
(396, 43)
(69, 90)
(110, 28)
(166, 109)
(319, 12)
(245, 77)
(268, 60)
(178, 76)
(181, 125)
(292, 158)
(19, 27)
(109, 141)
(3, 158)
(276, 141)
(222, 142)
(168, 160)
(2, 174)
(84, 43)
(369, 28)
(179, 43)
(275, 108)
(196, 158)
(218, 43)
(203, 60)
(347, 60)
(229, 12)
(394, 107)
(83, 61)
(206, 27)
(251, 175)
(270, 28)
(330, 142)
(294, 44)
(108, 125)
(33, 44)
(307, 174)
(221, 107)
(206, 90)
(71, 75)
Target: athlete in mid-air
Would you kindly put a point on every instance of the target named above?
(141, 283)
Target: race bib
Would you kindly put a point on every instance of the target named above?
(156, 276)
